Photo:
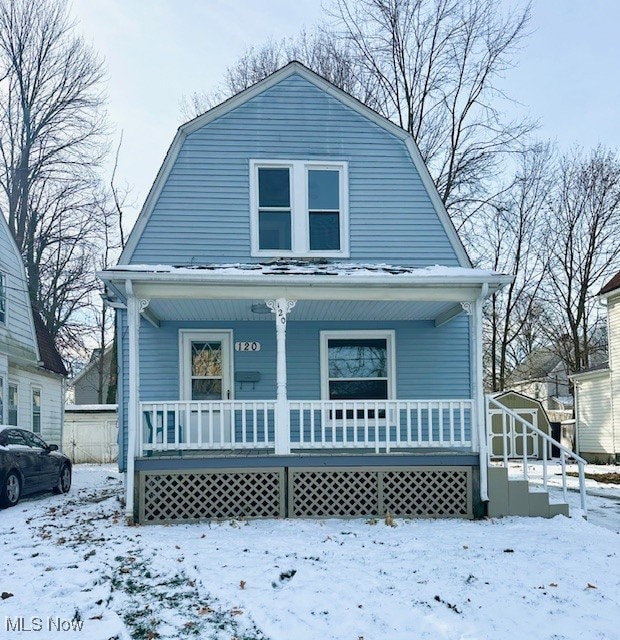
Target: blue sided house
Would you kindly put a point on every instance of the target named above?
(299, 327)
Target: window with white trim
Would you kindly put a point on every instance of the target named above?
(357, 365)
(2, 298)
(299, 208)
(36, 410)
(13, 402)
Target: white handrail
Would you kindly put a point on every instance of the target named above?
(564, 451)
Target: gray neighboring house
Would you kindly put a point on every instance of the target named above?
(87, 383)
(543, 375)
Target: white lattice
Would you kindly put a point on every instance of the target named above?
(182, 497)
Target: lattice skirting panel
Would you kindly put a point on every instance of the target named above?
(188, 496)
(410, 492)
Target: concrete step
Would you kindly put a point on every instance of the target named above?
(509, 497)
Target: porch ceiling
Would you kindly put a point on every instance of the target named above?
(232, 310)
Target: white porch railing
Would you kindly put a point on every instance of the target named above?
(515, 428)
(230, 424)
(379, 425)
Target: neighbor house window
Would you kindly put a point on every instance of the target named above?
(1, 400)
(36, 410)
(2, 298)
(13, 402)
(299, 208)
(357, 365)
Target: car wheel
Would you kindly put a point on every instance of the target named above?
(11, 490)
(64, 479)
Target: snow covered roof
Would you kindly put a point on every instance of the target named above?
(312, 268)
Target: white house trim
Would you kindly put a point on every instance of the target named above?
(239, 99)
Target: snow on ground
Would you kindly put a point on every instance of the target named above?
(70, 560)
(603, 499)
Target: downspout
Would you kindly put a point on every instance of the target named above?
(132, 413)
(63, 399)
(479, 394)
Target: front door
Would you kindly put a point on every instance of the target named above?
(206, 375)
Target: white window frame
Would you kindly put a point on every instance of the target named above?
(300, 225)
(4, 294)
(34, 389)
(388, 335)
(8, 406)
(186, 337)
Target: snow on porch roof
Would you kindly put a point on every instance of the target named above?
(312, 268)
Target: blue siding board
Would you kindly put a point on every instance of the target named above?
(206, 196)
(431, 363)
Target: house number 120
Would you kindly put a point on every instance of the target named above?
(247, 346)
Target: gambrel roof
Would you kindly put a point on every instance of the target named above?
(293, 68)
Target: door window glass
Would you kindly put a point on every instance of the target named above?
(206, 368)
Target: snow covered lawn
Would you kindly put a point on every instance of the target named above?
(70, 561)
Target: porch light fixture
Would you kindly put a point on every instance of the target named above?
(260, 308)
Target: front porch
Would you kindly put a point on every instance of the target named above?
(313, 365)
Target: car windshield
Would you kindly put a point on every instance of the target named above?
(34, 441)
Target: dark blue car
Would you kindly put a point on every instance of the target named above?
(29, 465)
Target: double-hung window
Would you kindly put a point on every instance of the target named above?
(299, 208)
(13, 404)
(36, 410)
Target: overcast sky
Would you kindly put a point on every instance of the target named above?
(156, 51)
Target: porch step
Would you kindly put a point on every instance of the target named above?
(514, 498)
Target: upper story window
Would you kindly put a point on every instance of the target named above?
(2, 298)
(299, 208)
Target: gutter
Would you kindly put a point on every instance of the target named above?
(336, 280)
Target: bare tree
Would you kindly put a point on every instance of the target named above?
(437, 64)
(511, 240)
(432, 66)
(583, 232)
(50, 145)
(318, 49)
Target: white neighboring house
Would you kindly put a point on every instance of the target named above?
(597, 391)
(32, 374)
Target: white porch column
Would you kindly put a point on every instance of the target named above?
(479, 434)
(134, 308)
(281, 307)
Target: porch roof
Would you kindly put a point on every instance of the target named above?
(234, 290)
